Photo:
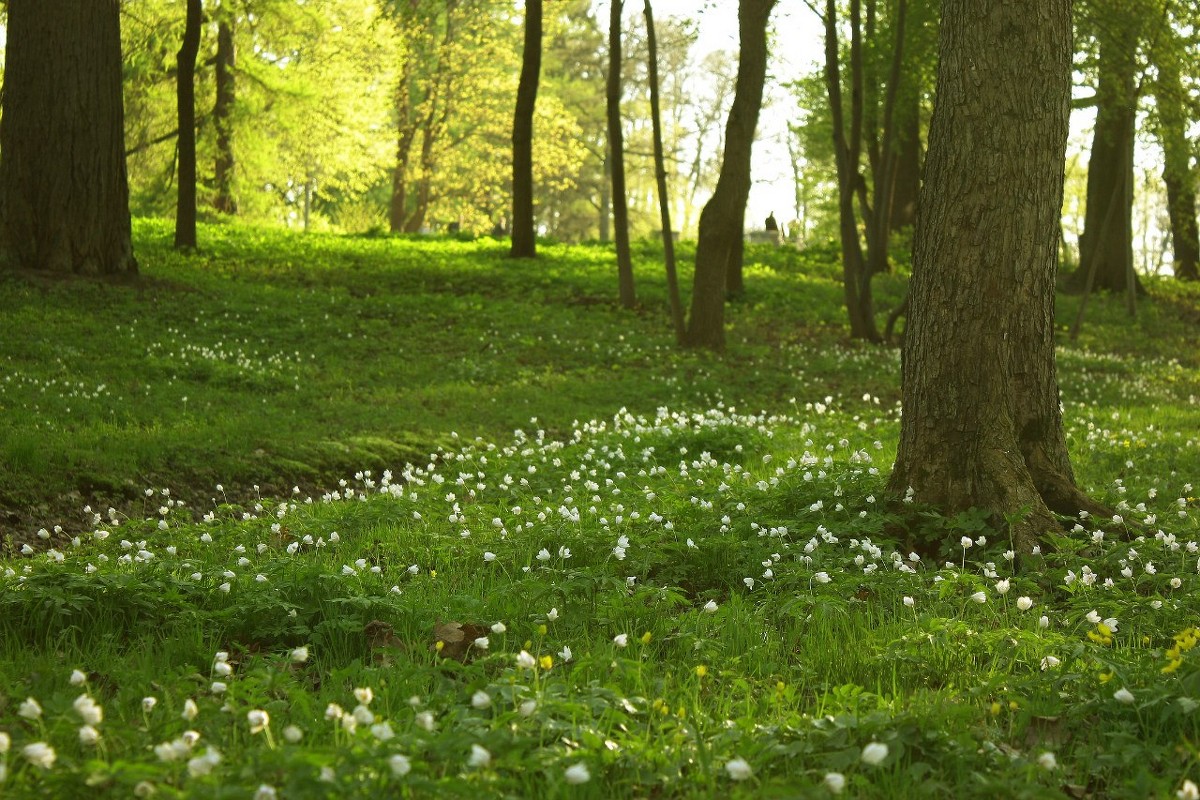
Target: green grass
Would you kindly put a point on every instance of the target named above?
(506, 454)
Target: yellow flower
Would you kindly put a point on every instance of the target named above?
(995, 709)
(440, 644)
(701, 671)
(1105, 677)
(546, 662)
(1013, 705)
(1172, 666)
(646, 637)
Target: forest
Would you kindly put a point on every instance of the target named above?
(599, 398)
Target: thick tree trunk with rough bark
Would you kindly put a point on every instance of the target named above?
(1177, 173)
(185, 107)
(225, 200)
(981, 425)
(524, 239)
(1106, 246)
(64, 193)
(616, 149)
(660, 176)
(721, 220)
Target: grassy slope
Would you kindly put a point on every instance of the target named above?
(425, 338)
(277, 360)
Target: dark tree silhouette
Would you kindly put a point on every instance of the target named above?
(524, 240)
(616, 154)
(225, 200)
(185, 105)
(660, 175)
(719, 249)
(1106, 246)
(1172, 125)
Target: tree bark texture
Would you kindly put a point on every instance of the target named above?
(225, 201)
(1177, 173)
(64, 192)
(660, 176)
(1106, 246)
(981, 425)
(185, 106)
(720, 242)
(616, 149)
(524, 238)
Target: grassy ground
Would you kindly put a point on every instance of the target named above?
(564, 559)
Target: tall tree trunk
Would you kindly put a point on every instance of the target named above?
(1107, 236)
(606, 199)
(524, 239)
(225, 200)
(734, 281)
(856, 278)
(660, 175)
(406, 135)
(616, 149)
(185, 107)
(799, 188)
(981, 425)
(908, 164)
(64, 192)
(883, 169)
(1177, 172)
(723, 215)
(416, 221)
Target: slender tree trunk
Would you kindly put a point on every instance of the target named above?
(185, 107)
(981, 425)
(855, 275)
(64, 193)
(308, 198)
(524, 239)
(416, 220)
(660, 175)
(1108, 237)
(883, 170)
(908, 164)
(606, 199)
(406, 135)
(723, 215)
(616, 149)
(1177, 173)
(799, 187)
(225, 200)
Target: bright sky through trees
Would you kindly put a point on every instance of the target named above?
(796, 50)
